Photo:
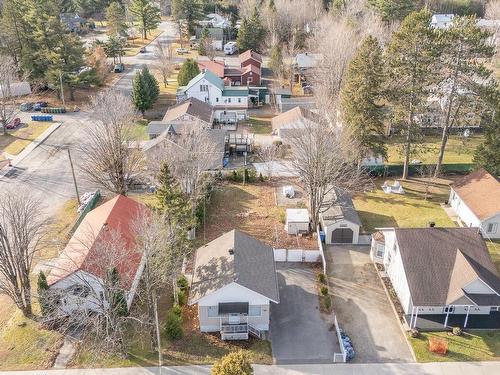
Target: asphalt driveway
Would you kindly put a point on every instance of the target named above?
(362, 307)
(299, 333)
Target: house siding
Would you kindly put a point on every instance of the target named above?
(328, 229)
(212, 324)
(493, 220)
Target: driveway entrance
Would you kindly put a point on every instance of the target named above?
(299, 333)
(362, 307)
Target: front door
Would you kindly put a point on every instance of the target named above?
(234, 319)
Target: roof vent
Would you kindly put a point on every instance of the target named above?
(231, 251)
(432, 224)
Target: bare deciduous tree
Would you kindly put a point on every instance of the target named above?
(320, 158)
(106, 155)
(163, 60)
(493, 10)
(269, 154)
(21, 228)
(8, 108)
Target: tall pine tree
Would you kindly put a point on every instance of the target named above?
(361, 98)
(411, 57)
(188, 71)
(393, 10)
(487, 153)
(252, 33)
(145, 90)
(190, 11)
(117, 22)
(147, 14)
(115, 294)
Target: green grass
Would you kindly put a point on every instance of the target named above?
(377, 209)
(260, 125)
(140, 130)
(494, 248)
(458, 150)
(25, 345)
(473, 346)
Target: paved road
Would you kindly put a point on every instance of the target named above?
(362, 307)
(440, 368)
(46, 170)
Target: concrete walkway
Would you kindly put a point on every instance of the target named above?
(65, 353)
(439, 368)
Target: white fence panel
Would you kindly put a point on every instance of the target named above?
(280, 255)
(321, 251)
(339, 357)
(294, 255)
(312, 256)
(365, 239)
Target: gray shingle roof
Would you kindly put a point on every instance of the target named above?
(439, 262)
(251, 265)
(342, 209)
(156, 127)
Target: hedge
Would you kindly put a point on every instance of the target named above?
(414, 169)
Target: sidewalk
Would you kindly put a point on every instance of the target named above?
(438, 368)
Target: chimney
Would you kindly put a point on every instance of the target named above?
(432, 224)
(231, 251)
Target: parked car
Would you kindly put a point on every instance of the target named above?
(142, 50)
(13, 124)
(39, 105)
(119, 68)
(26, 107)
(181, 51)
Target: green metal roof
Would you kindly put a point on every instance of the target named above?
(233, 92)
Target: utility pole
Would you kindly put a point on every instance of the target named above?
(160, 364)
(62, 91)
(74, 177)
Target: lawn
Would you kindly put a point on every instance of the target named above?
(192, 54)
(494, 248)
(473, 346)
(377, 209)
(25, 345)
(135, 45)
(260, 125)
(252, 209)
(458, 150)
(16, 141)
(140, 130)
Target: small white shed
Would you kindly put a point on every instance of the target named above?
(297, 220)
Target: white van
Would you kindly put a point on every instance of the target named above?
(230, 48)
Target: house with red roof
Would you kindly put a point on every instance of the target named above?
(103, 241)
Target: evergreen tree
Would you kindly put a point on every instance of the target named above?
(115, 48)
(145, 90)
(252, 33)
(42, 288)
(276, 60)
(361, 95)
(393, 10)
(172, 202)
(204, 38)
(116, 295)
(487, 153)
(411, 57)
(117, 22)
(190, 11)
(147, 14)
(188, 71)
(463, 50)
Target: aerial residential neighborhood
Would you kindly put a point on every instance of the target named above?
(261, 187)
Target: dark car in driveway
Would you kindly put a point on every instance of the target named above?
(39, 105)
(26, 107)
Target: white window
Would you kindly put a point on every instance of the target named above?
(254, 311)
(203, 87)
(380, 250)
(449, 309)
(213, 311)
(492, 227)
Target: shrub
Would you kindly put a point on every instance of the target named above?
(173, 325)
(327, 302)
(414, 333)
(438, 345)
(182, 297)
(232, 364)
(324, 290)
(282, 216)
(322, 278)
(261, 178)
(183, 283)
(457, 331)
(176, 309)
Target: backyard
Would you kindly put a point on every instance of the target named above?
(471, 346)
(458, 149)
(251, 208)
(378, 209)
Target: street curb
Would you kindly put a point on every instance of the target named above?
(396, 314)
(34, 144)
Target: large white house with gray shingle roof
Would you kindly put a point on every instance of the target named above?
(234, 282)
(443, 277)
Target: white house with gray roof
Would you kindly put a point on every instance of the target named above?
(443, 277)
(234, 283)
(229, 102)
